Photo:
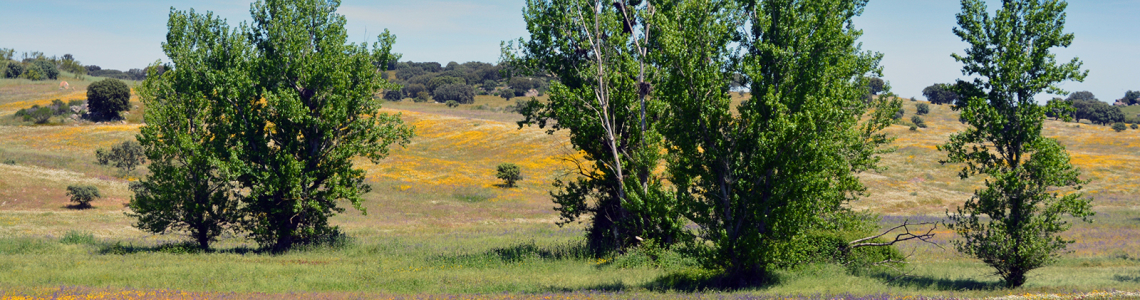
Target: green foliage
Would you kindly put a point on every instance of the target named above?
(507, 94)
(82, 195)
(1095, 111)
(940, 93)
(1131, 98)
(756, 178)
(899, 114)
(460, 93)
(1119, 126)
(490, 85)
(1013, 224)
(47, 69)
(126, 156)
(1134, 126)
(38, 115)
(918, 121)
(33, 72)
(875, 84)
(436, 82)
(509, 173)
(13, 70)
(73, 237)
(393, 95)
(107, 98)
(413, 90)
(921, 109)
(601, 99)
(292, 152)
(422, 97)
(1082, 95)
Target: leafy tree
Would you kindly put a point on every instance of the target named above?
(13, 70)
(82, 195)
(287, 111)
(422, 97)
(1118, 126)
(940, 93)
(1095, 111)
(126, 156)
(1013, 224)
(507, 94)
(490, 85)
(439, 81)
(509, 173)
(1131, 98)
(875, 84)
(597, 51)
(921, 109)
(393, 95)
(107, 98)
(461, 93)
(413, 90)
(1082, 95)
(756, 179)
(48, 69)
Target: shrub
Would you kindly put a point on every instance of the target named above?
(452, 104)
(899, 114)
(393, 95)
(507, 94)
(107, 98)
(922, 109)
(414, 89)
(14, 70)
(1119, 127)
(918, 121)
(48, 69)
(913, 128)
(32, 73)
(422, 97)
(490, 85)
(461, 93)
(126, 156)
(509, 173)
(1134, 126)
(436, 82)
(78, 238)
(38, 115)
(912, 99)
(82, 195)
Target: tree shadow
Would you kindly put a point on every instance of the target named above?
(79, 206)
(118, 248)
(940, 284)
(1126, 278)
(700, 281)
(522, 252)
(595, 289)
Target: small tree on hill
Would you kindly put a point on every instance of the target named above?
(922, 109)
(1013, 224)
(82, 195)
(107, 98)
(509, 173)
(126, 156)
(875, 84)
(940, 93)
(918, 121)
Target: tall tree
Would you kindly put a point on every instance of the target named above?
(191, 185)
(1014, 223)
(757, 176)
(596, 53)
(317, 114)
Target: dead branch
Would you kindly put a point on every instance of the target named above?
(906, 235)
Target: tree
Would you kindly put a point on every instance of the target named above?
(1013, 224)
(921, 109)
(393, 95)
(490, 85)
(126, 156)
(461, 93)
(1131, 97)
(107, 98)
(758, 177)
(1095, 111)
(509, 173)
(940, 93)
(82, 195)
(875, 84)
(13, 70)
(50, 71)
(598, 52)
(285, 107)
(413, 90)
(1082, 95)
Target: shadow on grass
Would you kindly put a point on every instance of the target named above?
(1126, 278)
(935, 283)
(79, 207)
(699, 280)
(118, 248)
(519, 253)
(600, 288)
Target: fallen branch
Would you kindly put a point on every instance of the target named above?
(901, 237)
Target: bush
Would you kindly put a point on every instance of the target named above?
(899, 114)
(126, 156)
(414, 89)
(48, 69)
(1134, 126)
(14, 70)
(452, 104)
(918, 121)
(422, 97)
(1119, 127)
(39, 115)
(489, 85)
(82, 195)
(393, 95)
(913, 128)
(507, 94)
(461, 93)
(78, 238)
(922, 109)
(509, 173)
(32, 73)
(107, 98)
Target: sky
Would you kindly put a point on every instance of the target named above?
(914, 35)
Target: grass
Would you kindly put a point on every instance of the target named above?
(439, 225)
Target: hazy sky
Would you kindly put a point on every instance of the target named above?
(914, 35)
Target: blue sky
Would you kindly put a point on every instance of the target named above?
(914, 35)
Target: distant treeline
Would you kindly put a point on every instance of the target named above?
(1083, 105)
(37, 66)
(424, 81)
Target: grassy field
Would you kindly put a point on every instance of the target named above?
(438, 225)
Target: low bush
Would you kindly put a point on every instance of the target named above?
(78, 238)
(922, 109)
(452, 104)
(393, 95)
(1118, 126)
(82, 195)
(1134, 126)
(918, 121)
(422, 97)
(126, 156)
(899, 114)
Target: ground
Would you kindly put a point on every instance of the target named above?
(440, 225)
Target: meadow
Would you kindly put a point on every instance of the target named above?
(439, 225)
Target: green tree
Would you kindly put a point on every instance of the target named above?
(461, 93)
(1119, 126)
(107, 98)
(1082, 95)
(940, 93)
(598, 53)
(759, 177)
(82, 195)
(876, 85)
(126, 156)
(509, 173)
(319, 115)
(50, 71)
(1013, 224)
(921, 109)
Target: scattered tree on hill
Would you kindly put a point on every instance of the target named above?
(509, 173)
(82, 195)
(413, 90)
(1082, 95)
(107, 98)
(940, 93)
(1013, 224)
(305, 102)
(461, 93)
(598, 54)
(876, 85)
(756, 178)
(918, 122)
(921, 109)
(899, 114)
(126, 156)
(1131, 98)
(1095, 111)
